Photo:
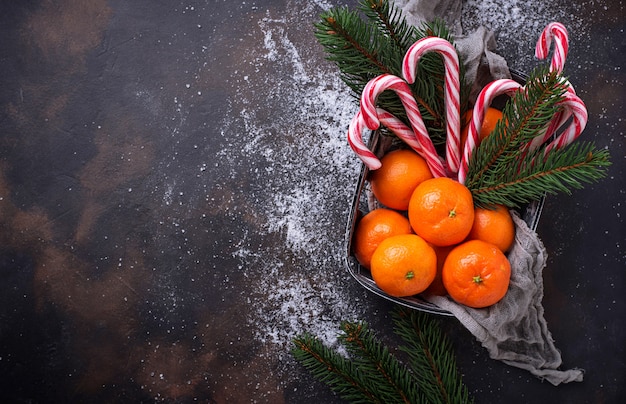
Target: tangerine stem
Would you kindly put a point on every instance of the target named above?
(477, 279)
(410, 275)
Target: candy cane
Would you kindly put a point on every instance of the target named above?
(420, 141)
(452, 87)
(391, 122)
(398, 128)
(559, 119)
(558, 32)
(484, 100)
(579, 114)
(355, 140)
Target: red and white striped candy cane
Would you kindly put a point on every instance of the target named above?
(559, 119)
(420, 142)
(484, 100)
(355, 140)
(452, 87)
(579, 114)
(398, 128)
(558, 32)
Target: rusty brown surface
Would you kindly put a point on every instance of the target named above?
(150, 233)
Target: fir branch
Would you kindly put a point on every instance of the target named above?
(373, 375)
(356, 47)
(391, 23)
(331, 368)
(524, 117)
(391, 380)
(431, 356)
(502, 169)
(363, 50)
(560, 171)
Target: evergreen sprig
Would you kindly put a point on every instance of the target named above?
(390, 380)
(431, 356)
(363, 49)
(572, 167)
(392, 25)
(328, 366)
(373, 375)
(503, 170)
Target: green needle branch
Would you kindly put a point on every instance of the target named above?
(502, 169)
(431, 356)
(328, 366)
(373, 375)
(391, 381)
(363, 49)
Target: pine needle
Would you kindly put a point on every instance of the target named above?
(431, 356)
(365, 49)
(328, 366)
(372, 374)
(391, 380)
(559, 172)
(502, 169)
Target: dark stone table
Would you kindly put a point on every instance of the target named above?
(174, 188)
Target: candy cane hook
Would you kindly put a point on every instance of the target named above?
(355, 140)
(419, 141)
(452, 88)
(484, 100)
(558, 32)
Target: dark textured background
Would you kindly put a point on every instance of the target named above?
(174, 183)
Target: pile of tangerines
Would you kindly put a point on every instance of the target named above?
(429, 237)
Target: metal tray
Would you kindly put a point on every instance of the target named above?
(360, 206)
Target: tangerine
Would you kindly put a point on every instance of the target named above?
(401, 172)
(494, 226)
(476, 274)
(373, 228)
(492, 116)
(441, 210)
(404, 265)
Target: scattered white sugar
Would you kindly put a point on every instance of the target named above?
(305, 176)
(324, 5)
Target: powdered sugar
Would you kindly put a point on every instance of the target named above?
(302, 177)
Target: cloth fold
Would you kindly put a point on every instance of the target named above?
(514, 330)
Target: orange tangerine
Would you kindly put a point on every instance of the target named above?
(494, 226)
(373, 228)
(441, 210)
(476, 274)
(404, 265)
(401, 172)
